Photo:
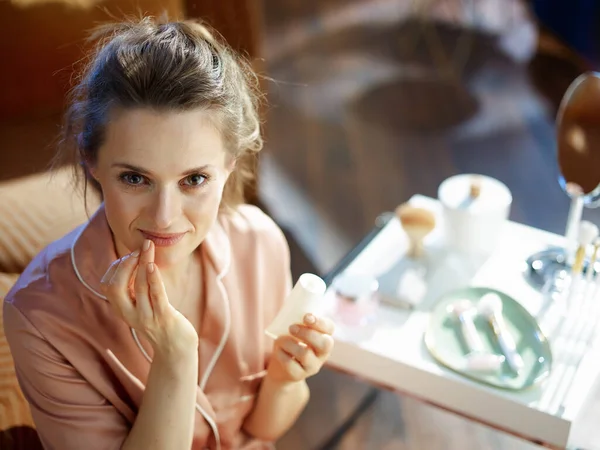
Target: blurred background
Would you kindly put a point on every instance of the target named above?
(369, 103)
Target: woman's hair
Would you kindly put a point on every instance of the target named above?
(166, 66)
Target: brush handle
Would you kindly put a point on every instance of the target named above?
(579, 260)
(469, 332)
(507, 343)
(590, 269)
(415, 249)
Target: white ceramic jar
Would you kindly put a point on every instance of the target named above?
(475, 210)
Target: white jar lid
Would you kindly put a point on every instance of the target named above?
(355, 285)
(455, 193)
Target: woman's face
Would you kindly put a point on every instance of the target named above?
(162, 176)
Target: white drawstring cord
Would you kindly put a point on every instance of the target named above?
(77, 274)
(227, 330)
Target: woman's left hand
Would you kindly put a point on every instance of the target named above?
(302, 353)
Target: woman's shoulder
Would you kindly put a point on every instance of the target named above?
(50, 305)
(250, 224)
(46, 276)
(251, 219)
(260, 256)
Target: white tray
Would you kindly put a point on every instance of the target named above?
(393, 353)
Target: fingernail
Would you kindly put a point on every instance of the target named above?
(150, 267)
(136, 254)
(294, 329)
(146, 244)
(310, 319)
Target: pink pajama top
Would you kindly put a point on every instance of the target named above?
(83, 370)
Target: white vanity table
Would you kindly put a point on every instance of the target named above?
(392, 353)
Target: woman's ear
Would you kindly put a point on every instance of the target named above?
(93, 172)
(90, 170)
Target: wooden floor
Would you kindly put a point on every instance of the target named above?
(360, 119)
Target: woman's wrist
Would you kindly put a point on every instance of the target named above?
(177, 350)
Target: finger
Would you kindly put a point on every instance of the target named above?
(291, 365)
(320, 343)
(301, 352)
(158, 294)
(321, 324)
(141, 288)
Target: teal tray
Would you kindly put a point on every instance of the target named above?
(444, 341)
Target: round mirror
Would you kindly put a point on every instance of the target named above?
(578, 138)
(578, 156)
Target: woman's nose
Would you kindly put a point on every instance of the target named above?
(167, 208)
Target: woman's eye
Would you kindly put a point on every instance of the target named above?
(195, 180)
(133, 179)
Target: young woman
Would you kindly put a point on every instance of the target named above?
(144, 328)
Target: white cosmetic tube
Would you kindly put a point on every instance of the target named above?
(306, 297)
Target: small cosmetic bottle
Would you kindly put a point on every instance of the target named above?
(305, 297)
(356, 299)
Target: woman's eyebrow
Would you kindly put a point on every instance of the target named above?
(147, 172)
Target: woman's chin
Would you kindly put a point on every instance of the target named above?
(163, 260)
(166, 257)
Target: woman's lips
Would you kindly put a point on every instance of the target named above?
(163, 240)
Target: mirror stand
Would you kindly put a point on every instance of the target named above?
(549, 269)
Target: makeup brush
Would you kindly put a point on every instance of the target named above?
(490, 307)
(597, 277)
(590, 270)
(588, 232)
(417, 223)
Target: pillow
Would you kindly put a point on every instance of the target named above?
(36, 210)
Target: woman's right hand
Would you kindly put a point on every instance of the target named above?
(148, 311)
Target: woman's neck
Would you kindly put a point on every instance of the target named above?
(179, 274)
